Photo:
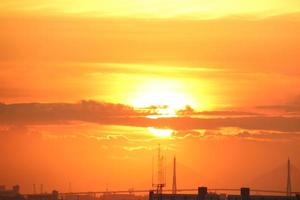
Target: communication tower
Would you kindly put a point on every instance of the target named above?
(159, 171)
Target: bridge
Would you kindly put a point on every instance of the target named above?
(228, 190)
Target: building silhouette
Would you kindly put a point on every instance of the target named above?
(43, 196)
(204, 195)
(11, 194)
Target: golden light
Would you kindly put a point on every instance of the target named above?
(168, 96)
(161, 132)
(157, 8)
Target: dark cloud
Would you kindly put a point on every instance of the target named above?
(189, 123)
(228, 113)
(251, 123)
(118, 114)
(54, 113)
(292, 106)
(268, 135)
(190, 111)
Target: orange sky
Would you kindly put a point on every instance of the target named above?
(109, 78)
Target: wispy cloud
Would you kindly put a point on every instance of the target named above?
(290, 107)
(154, 8)
(118, 114)
(48, 113)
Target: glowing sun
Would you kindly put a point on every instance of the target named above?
(167, 96)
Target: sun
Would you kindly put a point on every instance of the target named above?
(163, 133)
(167, 96)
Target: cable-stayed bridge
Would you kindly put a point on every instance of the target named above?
(230, 190)
(286, 174)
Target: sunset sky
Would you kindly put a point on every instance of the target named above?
(88, 89)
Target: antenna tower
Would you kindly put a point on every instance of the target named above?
(159, 178)
(174, 186)
(289, 182)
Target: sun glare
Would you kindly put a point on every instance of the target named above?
(161, 132)
(166, 96)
